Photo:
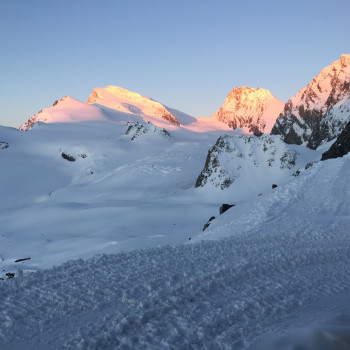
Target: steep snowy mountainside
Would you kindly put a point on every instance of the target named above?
(318, 112)
(341, 145)
(66, 110)
(131, 102)
(248, 163)
(254, 110)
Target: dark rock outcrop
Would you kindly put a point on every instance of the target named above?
(207, 224)
(340, 147)
(4, 145)
(68, 157)
(225, 207)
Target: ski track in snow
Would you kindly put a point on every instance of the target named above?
(211, 295)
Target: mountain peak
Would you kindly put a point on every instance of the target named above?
(254, 110)
(120, 99)
(345, 59)
(67, 109)
(317, 113)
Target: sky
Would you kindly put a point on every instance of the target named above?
(186, 54)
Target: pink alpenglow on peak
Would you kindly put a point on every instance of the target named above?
(120, 99)
(253, 110)
(66, 110)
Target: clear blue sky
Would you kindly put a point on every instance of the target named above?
(187, 54)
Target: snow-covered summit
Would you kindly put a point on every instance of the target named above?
(318, 112)
(113, 104)
(126, 101)
(254, 110)
(66, 110)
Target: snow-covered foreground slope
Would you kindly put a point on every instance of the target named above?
(280, 281)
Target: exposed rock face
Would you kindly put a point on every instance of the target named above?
(130, 102)
(138, 130)
(341, 146)
(68, 157)
(254, 110)
(319, 112)
(233, 156)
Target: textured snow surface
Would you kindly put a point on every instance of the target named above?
(213, 295)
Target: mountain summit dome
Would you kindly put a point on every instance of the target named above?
(120, 99)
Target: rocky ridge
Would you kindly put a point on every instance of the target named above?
(235, 156)
(139, 130)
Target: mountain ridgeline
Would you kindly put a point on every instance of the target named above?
(317, 114)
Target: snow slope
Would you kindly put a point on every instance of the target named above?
(253, 110)
(66, 110)
(280, 280)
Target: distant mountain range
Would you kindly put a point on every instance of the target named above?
(318, 113)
